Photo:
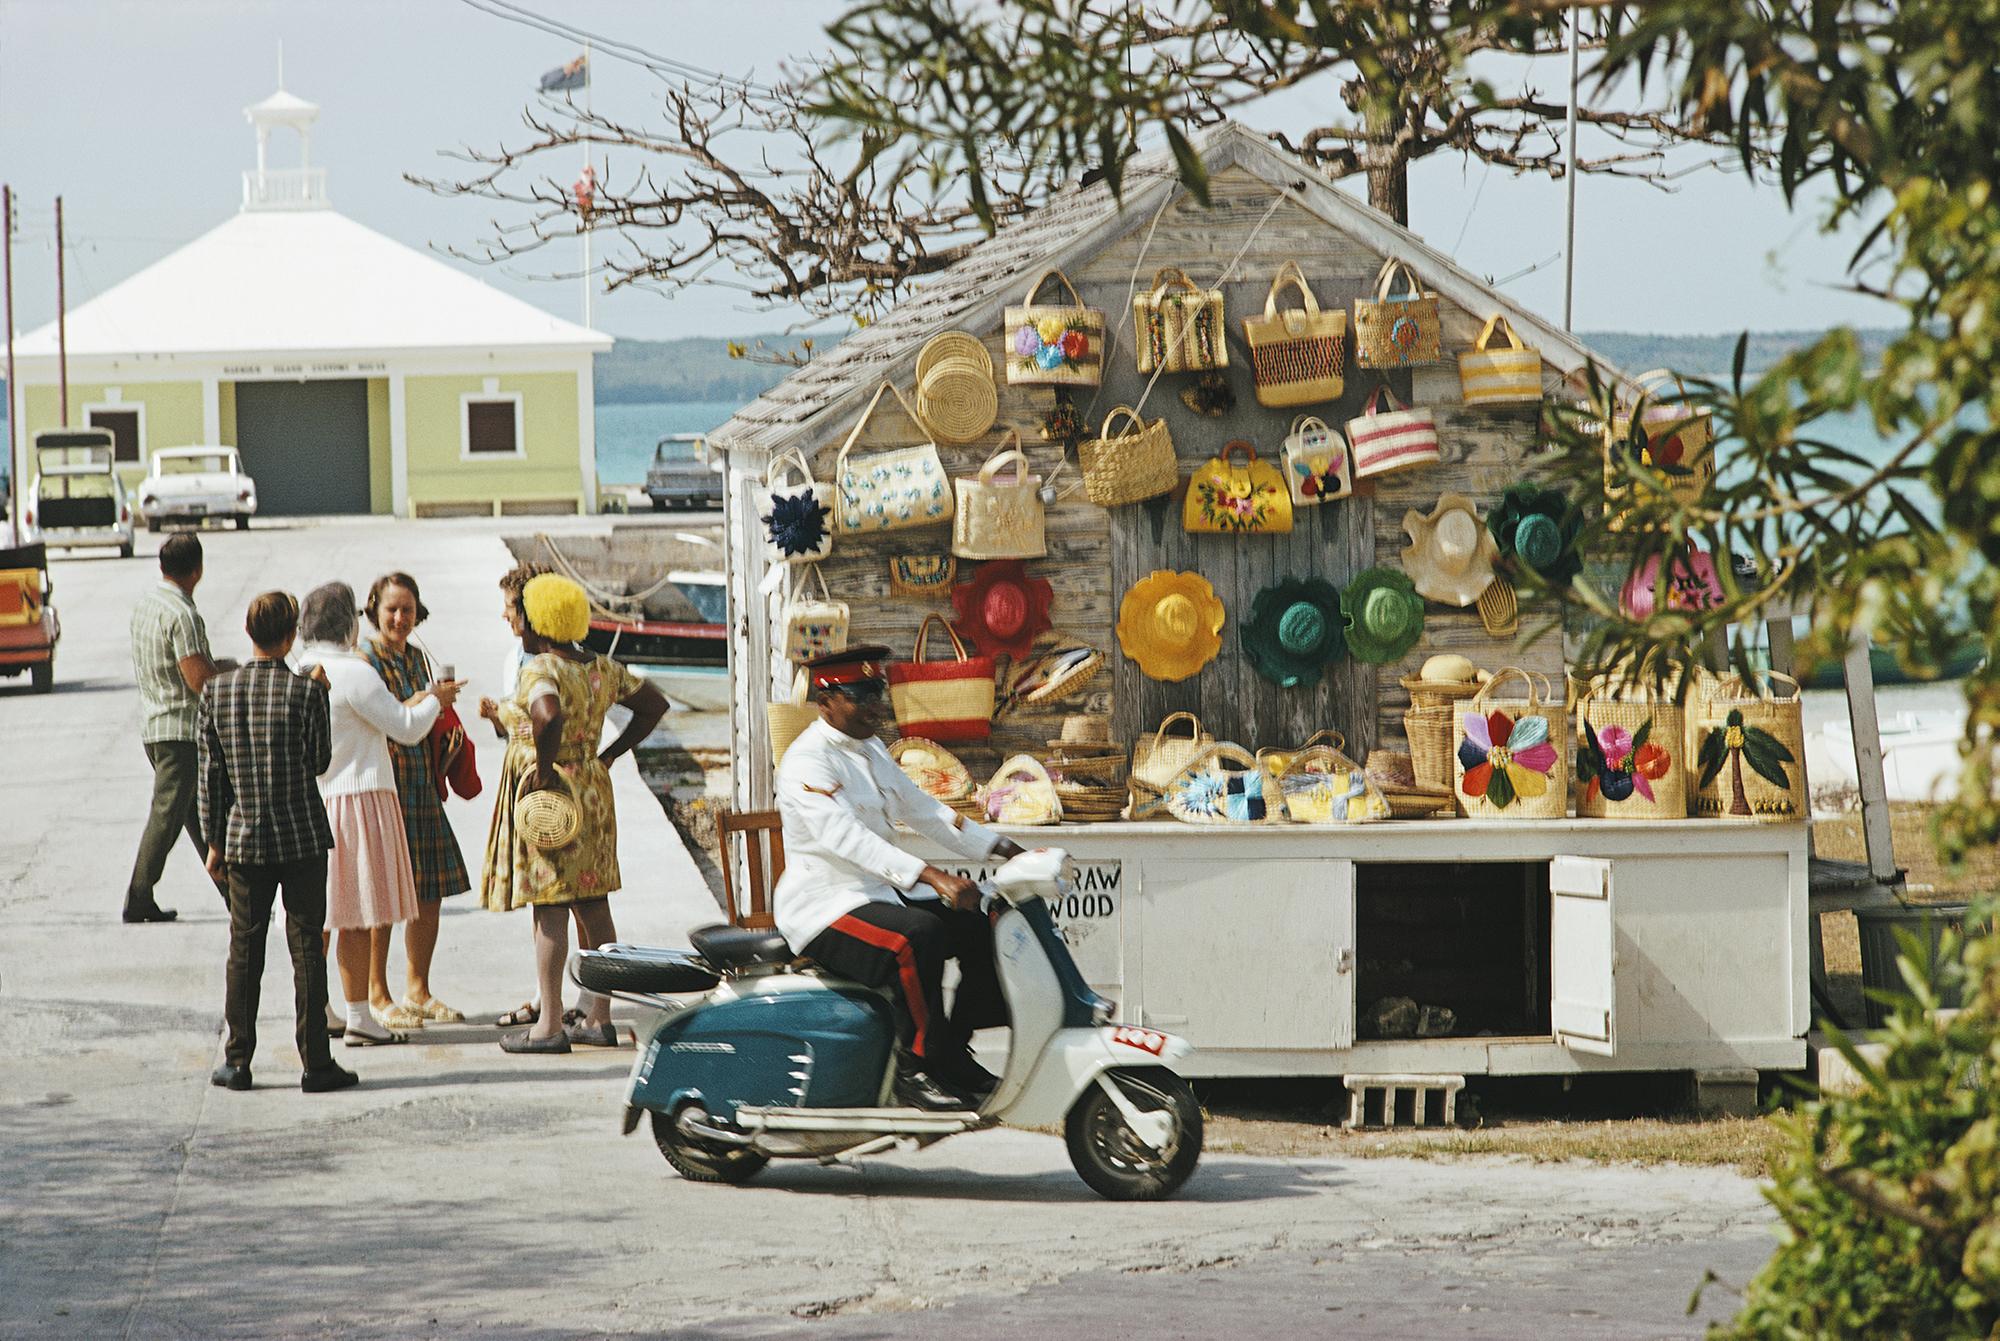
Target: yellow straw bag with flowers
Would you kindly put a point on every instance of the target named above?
(1631, 756)
(1513, 760)
(1318, 784)
(1054, 344)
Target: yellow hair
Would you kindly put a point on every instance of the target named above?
(557, 608)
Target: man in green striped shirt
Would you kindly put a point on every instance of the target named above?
(171, 661)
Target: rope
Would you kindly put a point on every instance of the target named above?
(598, 597)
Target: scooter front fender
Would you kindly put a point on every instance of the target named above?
(1074, 1058)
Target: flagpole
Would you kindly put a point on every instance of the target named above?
(1569, 184)
(586, 176)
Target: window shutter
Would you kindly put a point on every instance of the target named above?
(489, 427)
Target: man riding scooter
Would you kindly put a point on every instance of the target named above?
(856, 903)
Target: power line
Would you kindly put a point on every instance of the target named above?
(617, 49)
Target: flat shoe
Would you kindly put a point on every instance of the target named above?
(328, 1078)
(521, 1042)
(396, 1018)
(356, 1039)
(435, 1011)
(603, 1036)
(155, 913)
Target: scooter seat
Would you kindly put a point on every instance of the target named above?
(727, 947)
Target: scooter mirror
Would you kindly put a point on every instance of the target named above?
(1035, 874)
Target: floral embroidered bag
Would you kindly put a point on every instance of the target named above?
(1631, 761)
(1223, 785)
(797, 517)
(814, 626)
(886, 491)
(996, 518)
(1050, 344)
(1226, 498)
(1316, 465)
(1511, 761)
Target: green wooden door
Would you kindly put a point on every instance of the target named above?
(306, 445)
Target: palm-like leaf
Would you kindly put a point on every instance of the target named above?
(1767, 756)
(1714, 753)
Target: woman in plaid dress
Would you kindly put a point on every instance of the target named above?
(395, 609)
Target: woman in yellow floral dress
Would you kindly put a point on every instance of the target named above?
(554, 722)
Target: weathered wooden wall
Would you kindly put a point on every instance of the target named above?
(1095, 556)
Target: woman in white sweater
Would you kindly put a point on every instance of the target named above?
(369, 886)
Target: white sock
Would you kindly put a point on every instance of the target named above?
(361, 1022)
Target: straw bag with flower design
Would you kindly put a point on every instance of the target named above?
(1509, 764)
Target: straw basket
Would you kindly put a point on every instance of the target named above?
(1438, 693)
(1159, 758)
(1512, 760)
(1430, 732)
(957, 400)
(1749, 751)
(547, 819)
(932, 767)
(1631, 756)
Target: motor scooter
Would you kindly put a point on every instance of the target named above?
(778, 1059)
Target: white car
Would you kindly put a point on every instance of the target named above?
(77, 500)
(191, 483)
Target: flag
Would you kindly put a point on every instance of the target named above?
(576, 74)
(585, 191)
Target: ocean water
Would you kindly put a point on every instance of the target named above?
(626, 433)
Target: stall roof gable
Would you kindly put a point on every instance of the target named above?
(1065, 232)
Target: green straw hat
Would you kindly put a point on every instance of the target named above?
(1536, 528)
(1385, 616)
(1294, 630)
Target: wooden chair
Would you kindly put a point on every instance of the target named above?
(759, 829)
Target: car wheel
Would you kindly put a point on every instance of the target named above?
(242, 521)
(43, 675)
(125, 550)
(659, 505)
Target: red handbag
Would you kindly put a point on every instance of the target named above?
(452, 763)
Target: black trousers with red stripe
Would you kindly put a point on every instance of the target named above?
(903, 947)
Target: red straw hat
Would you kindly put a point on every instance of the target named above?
(1002, 609)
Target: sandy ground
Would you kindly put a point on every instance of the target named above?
(460, 1191)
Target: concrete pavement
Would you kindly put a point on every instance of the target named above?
(462, 1191)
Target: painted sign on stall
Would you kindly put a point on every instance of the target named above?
(1087, 916)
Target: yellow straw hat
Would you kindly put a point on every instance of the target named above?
(556, 608)
(1171, 624)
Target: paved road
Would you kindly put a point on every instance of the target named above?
(461, 1191)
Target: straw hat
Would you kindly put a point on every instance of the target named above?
(1084, 728)
(1537, 528)
(1294, 630)
(1384, 614)
(1171, 624)
(1002, 609)
(1451, 553)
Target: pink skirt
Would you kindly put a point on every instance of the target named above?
(368, 879)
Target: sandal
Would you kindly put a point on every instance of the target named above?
(356, 1039)
(601, 1036)
(435, 1011)
(525, 1013)
(522, 1042)
(396, 1018)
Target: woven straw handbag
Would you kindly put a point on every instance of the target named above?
(885, 491)
(932, 767)
(922, 577)
(1749, 751)
(1227, 498)
(1659, 431)
(1394, 439)
(546, 819)
(1397, 332)
(1222, 785)
(1316, 464)
(1631, 756)
(1297, 356)
(1021, 792)
(1179, 325)
(943, 700)
(1158, 759)
(798, 517)
(1054, 344)
(1316, 783)
(1129, 466)
(996, 518)
(814, 625)
(1508, 376)
(1060, 667)
(788, 718)
(1513, 754)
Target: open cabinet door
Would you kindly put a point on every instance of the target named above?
(1583, 956)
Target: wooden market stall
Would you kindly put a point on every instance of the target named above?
(1557, 945)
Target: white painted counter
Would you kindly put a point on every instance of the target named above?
(1669, 946)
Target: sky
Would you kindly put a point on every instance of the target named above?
(132, 111)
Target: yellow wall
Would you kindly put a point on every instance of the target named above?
(381, 481)
(225, 395)
(549, 470)
(172, 417)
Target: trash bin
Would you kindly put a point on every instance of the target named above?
(1880, 946)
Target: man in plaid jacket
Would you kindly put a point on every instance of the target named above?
(264, 742)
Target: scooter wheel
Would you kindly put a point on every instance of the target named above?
(1113, 1160)
(703, 1163)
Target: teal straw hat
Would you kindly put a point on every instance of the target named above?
(1384, 614)
(1294, 630)
(1536, 527)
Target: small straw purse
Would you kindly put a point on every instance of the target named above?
(1631, 757)
(1000, 518)
(548, 818)
(1021, 792)
(1397, 332)
(932, 767)
(1223, 785)
(1128, 467)
(1317, 784)
(885, 491)
(1749, 751)
(1296, 356)
(1051, 344)
(1179, 325)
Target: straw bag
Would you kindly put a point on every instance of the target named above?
(1224, 498)
(815, 626)
(798, 518)
(1179, 325)
(922, 577)
(787, 720)
(548, 818)
(942, 700)
(1022, 792)
(1512, 760)
(1432, 730)
(1000, 519)
(1396, 332)
(1507, 376)
(1222, 785)
(1158, 759)
(1673, 439)
(1049, 344)
(1393, 439)
(1631, 757)
(885, 491)
(1749, 751)
(1129, 467)
(1316, 466)
(1060, 666)
(933, 768)
(1317, 784)
(1296, 357)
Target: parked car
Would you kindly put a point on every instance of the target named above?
(77, 500)
(682, 474)
(29, 629)
(190, 483)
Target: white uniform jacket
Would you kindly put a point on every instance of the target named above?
(838, 797)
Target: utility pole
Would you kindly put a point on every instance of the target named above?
(62, 330)
(1569, 182)
(13, 394)
(590, 183)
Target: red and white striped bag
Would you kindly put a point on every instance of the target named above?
(1395, 439)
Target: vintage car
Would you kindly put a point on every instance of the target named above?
(193, 483)
(29, 629)
(682, 475)
(77, 500)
